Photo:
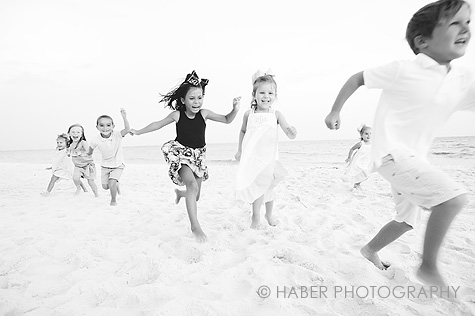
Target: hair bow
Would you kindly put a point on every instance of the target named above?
(194, 80)
(261, 73)
(361, 128)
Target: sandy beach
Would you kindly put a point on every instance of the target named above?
(67, 255)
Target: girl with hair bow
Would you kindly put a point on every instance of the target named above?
(359, 158)
(187, 152)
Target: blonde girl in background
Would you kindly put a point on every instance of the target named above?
(359, 158)
(61, 166)
(259, 168)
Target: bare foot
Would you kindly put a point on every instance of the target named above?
(255, 223)
(46, 193)
(271, 220)
(374, 258)
(431, 277)
(78, 190)
(113, 203)
(96, 194)
(199, 234)
(178, 196)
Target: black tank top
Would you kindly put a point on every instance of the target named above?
(191, 132)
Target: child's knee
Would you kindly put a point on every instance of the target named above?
(105, 186)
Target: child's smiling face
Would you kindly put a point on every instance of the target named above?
(75, 133)
(60, 143)
(193, 100)
(265, 96)
(105, 127)
(450, 37)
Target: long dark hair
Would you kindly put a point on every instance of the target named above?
(173, 98)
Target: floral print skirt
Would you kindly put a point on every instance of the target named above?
(177, 155)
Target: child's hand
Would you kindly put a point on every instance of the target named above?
(333, 120)
(291, 132)
(133, 132)
(237, 156)
(236, 103)
(123, 113)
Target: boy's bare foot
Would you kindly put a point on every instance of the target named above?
(199, 234)
(374, 258)
(431, 277)
(113, 203)
(46, 193)
(178, 196)
(271, 220)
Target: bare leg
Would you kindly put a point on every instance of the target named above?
(389, 233)
(191, 195)
(256, 212)
(437, 227)
(83, 187)
(51, 183)
(93, 186)
(78, 183)
(113, 189)
(268, 216)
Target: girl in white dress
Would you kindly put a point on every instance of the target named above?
(359, 158)
(259, 169)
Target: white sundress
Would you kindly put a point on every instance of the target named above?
(259, 170)
(62, 165)
(358, 169)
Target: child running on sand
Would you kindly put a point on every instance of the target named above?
(186, 154)
(84, 166)
(359, 158)
(62, 165)
(259, 169)
(417, 98)
(109, 143)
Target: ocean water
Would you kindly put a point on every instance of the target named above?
(445, 150)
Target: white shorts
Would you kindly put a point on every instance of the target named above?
(416, 183)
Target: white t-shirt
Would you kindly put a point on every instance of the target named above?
(417, 98)
(110, 148)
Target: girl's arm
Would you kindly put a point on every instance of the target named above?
(352, 149)
(242, 132)
(352, 84)
(126, 129)
(228, 118)
(290, 131)
(172, 117)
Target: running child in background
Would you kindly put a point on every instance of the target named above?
(84, 166)
(109, 143)
(62, 165)
(186, 154)
(359, 157)
(259, 168)
(417, 98)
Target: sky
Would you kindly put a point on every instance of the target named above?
(68, 61)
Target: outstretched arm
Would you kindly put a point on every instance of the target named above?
(228, 118)
(172, 117)
(242, 132)
(352, 84)
(126, 129)
(290, 131)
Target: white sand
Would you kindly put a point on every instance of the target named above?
(66, 255)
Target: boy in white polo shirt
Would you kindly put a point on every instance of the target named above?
(417, 98)
(109, 143)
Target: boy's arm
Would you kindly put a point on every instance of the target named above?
(126, 129)
(352, 84)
